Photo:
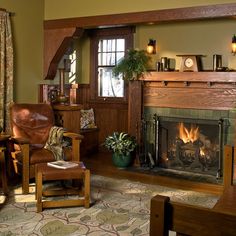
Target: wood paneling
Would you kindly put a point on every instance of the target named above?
(166, 15)
(68, 117)
(110, 118)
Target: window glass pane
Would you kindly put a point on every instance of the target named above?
(119, 56)
(109, 86)
(120, 45)
(104, 45)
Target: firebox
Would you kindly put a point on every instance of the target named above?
(185, 144)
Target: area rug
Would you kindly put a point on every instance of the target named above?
(118, 207)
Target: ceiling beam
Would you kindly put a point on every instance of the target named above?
(146, 17)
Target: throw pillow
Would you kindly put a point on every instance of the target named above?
(87, 120)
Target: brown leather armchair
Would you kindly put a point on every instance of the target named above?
(30, 125)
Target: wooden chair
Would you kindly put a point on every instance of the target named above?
(189, 220)
(30, 125)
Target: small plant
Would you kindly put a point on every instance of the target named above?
(133, 65)
(120, 143)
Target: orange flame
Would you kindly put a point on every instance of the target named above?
(188, 135)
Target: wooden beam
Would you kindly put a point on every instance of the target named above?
(156, 16)
(56, 43)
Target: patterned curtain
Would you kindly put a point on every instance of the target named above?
(6, 69)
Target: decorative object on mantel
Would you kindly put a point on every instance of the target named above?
(217, 62)
(61, 98)
(133, 65)
(190, 63)
(122, 145)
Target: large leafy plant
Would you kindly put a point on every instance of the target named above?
(133, 65)
(121, 143)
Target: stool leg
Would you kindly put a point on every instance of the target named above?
(36, 172)
(39, 191)
(87, 189)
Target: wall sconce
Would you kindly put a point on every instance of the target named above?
(151, 47)
(234, 45)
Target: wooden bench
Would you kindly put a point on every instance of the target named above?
(197, 221)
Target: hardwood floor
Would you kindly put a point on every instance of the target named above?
(101, 164)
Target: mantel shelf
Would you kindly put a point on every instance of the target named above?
(208, 77)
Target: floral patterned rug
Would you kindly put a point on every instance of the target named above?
(118, 207)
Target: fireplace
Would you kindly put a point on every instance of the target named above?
(184, 144)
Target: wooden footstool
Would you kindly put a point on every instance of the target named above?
(46, 173)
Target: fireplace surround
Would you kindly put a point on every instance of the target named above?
(200, 102)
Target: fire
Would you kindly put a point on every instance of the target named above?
(188, 135)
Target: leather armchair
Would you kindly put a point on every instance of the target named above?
(30, 125)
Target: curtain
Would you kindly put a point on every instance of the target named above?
(6, 69)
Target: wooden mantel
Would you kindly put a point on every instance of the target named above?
(206, 77)
(193, 90)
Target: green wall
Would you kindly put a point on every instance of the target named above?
(27, 24)
(206, 37)
(202, 37)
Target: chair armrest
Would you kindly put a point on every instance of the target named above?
(20, 140)
(76, 139)
(73, 135)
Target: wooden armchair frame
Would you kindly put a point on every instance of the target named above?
(28, 171)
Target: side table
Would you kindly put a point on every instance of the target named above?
(3, 139)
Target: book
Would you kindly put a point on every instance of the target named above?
(65, 164)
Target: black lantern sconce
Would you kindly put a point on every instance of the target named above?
(234, 45)
(151, 47)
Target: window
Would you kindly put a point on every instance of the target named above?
(110, 51)
(108, 46)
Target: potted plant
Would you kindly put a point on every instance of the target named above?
(133, 65)
(122, 145)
